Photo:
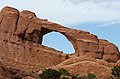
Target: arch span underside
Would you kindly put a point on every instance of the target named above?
(37, 36)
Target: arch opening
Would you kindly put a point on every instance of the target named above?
(58, 41)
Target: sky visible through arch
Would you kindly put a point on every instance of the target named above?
(99, 17)
(58, 41)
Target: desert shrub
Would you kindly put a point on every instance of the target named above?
(50, 74)
(90, 76)
(64, 78)
(63, 71)
(116, 71)
(63, 74)
(74, 76)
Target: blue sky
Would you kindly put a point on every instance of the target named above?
(100, 17)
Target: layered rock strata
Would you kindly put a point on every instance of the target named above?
(21, 35)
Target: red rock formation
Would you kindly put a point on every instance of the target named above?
(21, 35)
(111, 52)
(6, 73)
(85, 65)
(17, 50)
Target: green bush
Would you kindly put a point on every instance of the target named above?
(74, 76)
(63, 74)
(90, 76)
(50, 74)
(116, 71)
(64, 78)
(63, 71)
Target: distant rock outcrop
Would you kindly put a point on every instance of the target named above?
(21, 35)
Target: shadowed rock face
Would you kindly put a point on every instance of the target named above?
(21, 35)
(8, 73)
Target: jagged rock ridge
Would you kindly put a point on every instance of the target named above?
(21, 35)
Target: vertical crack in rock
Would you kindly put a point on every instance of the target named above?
(16, 24)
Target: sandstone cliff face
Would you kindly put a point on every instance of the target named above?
(86, 65)
(18, 50)
(21, 35)
(7, 73)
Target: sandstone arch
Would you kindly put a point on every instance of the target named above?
(37, 34)
(28, 53)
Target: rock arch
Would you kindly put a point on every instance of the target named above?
(28, 53)
(37, 36)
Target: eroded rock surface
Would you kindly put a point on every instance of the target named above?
(85, 65)
(21, 35)
(8, 73)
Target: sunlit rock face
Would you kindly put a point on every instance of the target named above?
(21, 36)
